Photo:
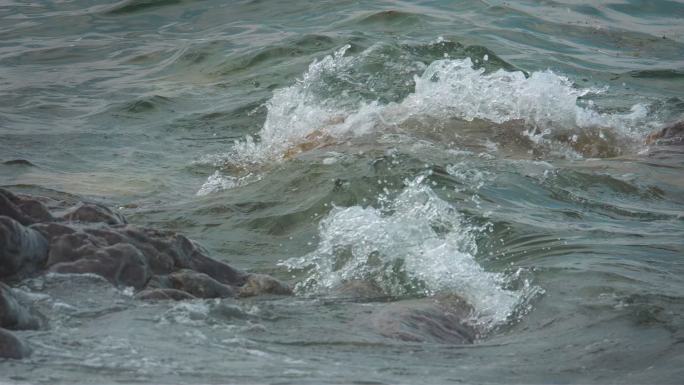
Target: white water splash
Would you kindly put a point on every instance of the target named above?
(219, 182)
(450, 88)
(417, 244)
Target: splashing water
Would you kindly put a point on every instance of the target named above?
(417, 244)
(447, 89)
(219, 182)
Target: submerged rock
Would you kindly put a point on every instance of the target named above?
(18, 162)
(12, 347)
(359, 289)
(440, 319)
(163, 295)
(672, 134)
(444, 318)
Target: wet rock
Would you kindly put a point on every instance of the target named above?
(8, 208)
(91, 238)
(218, 270)
(156, 252)
(442, 319)
(168, 252)
(121, 264)
(35, 210)
(52, 230)
(71, 247)
(13, 315)
(12, 347)
(163, 253)
(163, 295)
(197, 284)
(593, 143)
(94, 213)
(672, 134)
(18, 162)
(359, 289)
(258, 284)
(23, 209)
(22, 250)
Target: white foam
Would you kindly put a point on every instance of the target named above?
(319, 105)
(219, 182)
(417, 244)
(449, 88)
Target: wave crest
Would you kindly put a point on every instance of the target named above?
(416, 244)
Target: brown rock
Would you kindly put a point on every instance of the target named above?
(8, 208)
(163, 295)
(441, 319)
(673, 133)
(359, 289)
(12, 347)
(22, 250)
(258, 284)
(199, 285)
(121, 264)
(52, 230)
(90, 213)
(14, 315)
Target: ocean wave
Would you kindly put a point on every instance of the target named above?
(326, 104)
(416, 244)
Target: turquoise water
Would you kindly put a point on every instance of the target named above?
(494, 150)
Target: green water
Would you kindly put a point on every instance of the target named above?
(484, 148)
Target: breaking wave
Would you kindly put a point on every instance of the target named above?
(415, 244)
(332, 100)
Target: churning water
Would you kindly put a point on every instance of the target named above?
(414, 150)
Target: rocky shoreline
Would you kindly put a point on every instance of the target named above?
(40, 235)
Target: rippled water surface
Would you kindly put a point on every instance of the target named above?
(486, 149)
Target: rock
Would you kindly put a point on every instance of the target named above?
(8, 208)
(441, 319)
(22, 250)
(93, 213)
(23, 209)
(672, 134)
(71, 247)
(13, 315)
(35, 210)
(258, 284)
(197, 284)
(163, 253)
(163, 295)
(359, 289)
(18, 162)
(218, 270)
(168, 251)
(121, 264)
(594, 143)
(12, 347)
(91, 238)
(52, 230)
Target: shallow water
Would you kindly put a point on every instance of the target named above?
(489, 149)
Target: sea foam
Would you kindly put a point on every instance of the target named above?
(416, 244)
(450, 88)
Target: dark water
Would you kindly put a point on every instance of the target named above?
(490, 149)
